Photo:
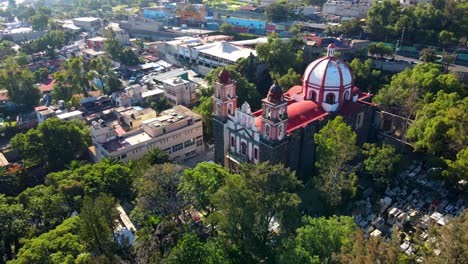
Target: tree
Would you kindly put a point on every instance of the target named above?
(199, 185)
(101, 69)
(6, 48)
(156, 156)
(112, 46)
(407, 89)
(39, 21)
(60, 245)
(335, 148)
(447, 38)
(380, 49)
(381, 18)
(380, 162)
(288, 80)
(365, 77)
(251, 204)
(278, 11)
(349, 28)
(12, 227)
(373, 250)
(318, 239)
(452, 241)
(427, 55)
(63, 88)
(98, 220)
(280, 55)
(128, 57)
(205, 109)
(190, 249)
(227, 29)
(20, 85)
(157, 191)
(54, 142)
(438, 130)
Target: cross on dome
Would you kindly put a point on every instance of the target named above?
(331, 50)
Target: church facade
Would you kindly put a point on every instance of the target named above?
(282, 131)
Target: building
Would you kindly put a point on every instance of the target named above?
(283, 130)
(135, 94)
(46, 112)
(347, 8)
(96, 43)
(179, 91)
(178, 131)
(90, 24)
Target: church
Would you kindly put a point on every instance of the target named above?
(282, 131)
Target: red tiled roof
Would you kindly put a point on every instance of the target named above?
(297, 89)
(40, 108)
(302, 113)
(47, 85)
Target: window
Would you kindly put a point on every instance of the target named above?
(243, 148)
(330, 98)
(199, 142)
(168, 150)
(280, 132)
(230, 109)
(233, 142)
(267, 130)
(255, 153)
(346, 95)
(218, 110)
(177, 147)
(360, 120)
(268, 113)
(189, 143)
(314, 96)
(123, 156)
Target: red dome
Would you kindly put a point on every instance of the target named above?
(356, 90)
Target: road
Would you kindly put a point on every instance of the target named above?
(457, 68)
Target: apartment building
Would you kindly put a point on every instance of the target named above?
(179, 91)
(178, 131)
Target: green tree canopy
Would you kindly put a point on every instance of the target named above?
(278, 11)
(98, 220)
(380, 162)
(318, 239)
(54, 142)
(335, 148)
(20, 84)
(60, 245)
(365, 77)
(199, 185)
(190, 249)
(254, 207)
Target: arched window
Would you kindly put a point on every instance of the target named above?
(268, 113)
(243, 148)
(218, 110)
(280, 132)
(218, 93)
(233, 141)
(330, 99)
(230, 109)
(267, 130)
(346, 95)
(313, 96)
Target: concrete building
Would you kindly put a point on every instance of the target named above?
(90, 24)
(347, 8)
(179, 91)
(96, 43)
(45, 112)
(178, 131)
(138, 26)
(135, 94)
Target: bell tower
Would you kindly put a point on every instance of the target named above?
(274, 115)
(224, 107)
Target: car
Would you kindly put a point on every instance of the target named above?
(405, 246)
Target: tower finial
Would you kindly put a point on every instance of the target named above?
(331, 50)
